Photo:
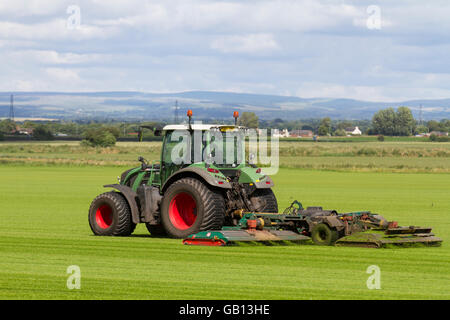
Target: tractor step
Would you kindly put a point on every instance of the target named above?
(230, 237)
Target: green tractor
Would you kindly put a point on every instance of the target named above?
(182, 198)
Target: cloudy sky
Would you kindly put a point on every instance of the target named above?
(369, 50)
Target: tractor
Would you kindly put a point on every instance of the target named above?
(196, 194)
(180, 198)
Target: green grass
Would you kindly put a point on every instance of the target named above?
(44, 229)
(359, 156)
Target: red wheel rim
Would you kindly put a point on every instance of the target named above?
(104, 216)
(182, 211)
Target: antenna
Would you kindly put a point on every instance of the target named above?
(420, 116)
(11, 109)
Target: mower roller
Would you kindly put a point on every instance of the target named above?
(196, 194)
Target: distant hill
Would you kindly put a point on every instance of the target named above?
(206, 104)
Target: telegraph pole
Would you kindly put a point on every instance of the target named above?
(11, 109)
(176, 111)
(421, 119)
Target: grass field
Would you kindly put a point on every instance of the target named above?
(406, 156)
(44, 229)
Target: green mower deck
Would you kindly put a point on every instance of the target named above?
(323, 227)
(402, 236)
(230, 237)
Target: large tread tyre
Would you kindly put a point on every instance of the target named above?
(323, 235)
(156, 230)
(110, 215)
(190, 206)
(264, 200)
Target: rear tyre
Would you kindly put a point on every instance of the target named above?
(110, 215)
(323, 235)
(156, 230)
(264, 200)
(190, 206)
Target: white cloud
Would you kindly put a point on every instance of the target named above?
(64, 75)
(375, 93)
(54, 57)
(52, 30)
(24, 85)
(247, 17)
(332, 90)
(20, 8)
(312, 48)
(361, 22)
(251, 43)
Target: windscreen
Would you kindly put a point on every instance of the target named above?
(224, 148)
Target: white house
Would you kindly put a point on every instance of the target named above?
(280, 134)
(354, 131)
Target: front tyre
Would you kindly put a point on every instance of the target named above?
(190, 206)
(110, 215)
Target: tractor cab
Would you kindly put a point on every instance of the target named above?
(213, 152)
(212, 147)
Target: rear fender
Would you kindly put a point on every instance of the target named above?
(248, 175)
(198, 173)
(265, 183)
(131, 198)
(127, 175)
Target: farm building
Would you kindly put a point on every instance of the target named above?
(354, 131)
(302, 133)
(439, 133)
(24, 131)
(280, 134)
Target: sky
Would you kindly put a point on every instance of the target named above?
(366, 50)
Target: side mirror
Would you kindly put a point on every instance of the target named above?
(158, 132)
(143, 162)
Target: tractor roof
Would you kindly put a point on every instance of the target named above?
(200, 126)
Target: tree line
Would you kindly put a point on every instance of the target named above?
(388, 122)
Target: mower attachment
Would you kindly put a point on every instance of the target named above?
(401, 236)
(324, 227)
(230, 237)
